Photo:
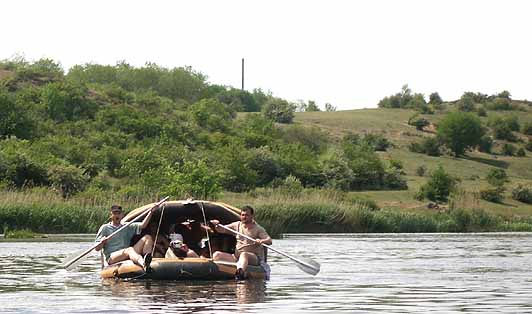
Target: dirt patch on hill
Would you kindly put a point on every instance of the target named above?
(5, 74)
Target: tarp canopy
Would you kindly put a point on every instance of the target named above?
(181, 211)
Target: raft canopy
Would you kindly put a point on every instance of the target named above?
(187, 210)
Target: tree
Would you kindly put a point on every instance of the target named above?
(329, 107)
(435, 99)
(439, 186)
(466, 103)
(460, 131)
(279, 110)
(311, 106)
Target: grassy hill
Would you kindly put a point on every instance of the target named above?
(471, 170)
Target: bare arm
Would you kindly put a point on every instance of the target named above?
(219, 229)
(146, 220)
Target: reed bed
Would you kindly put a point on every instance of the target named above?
(312, 211)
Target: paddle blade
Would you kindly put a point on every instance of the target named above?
(309, 266)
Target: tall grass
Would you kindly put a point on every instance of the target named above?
(279, 212)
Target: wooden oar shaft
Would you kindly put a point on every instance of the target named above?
(269, 247)
(66, 265)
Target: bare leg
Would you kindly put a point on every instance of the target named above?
(143, 246)
(222, 256)
(246, 259)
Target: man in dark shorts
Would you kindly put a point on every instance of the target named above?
(247, 252)
(117, 248)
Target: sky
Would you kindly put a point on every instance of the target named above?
(350, 54)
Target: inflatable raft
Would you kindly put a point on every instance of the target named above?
(183, 214)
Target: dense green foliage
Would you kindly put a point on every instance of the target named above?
(522, 193)
(460, 131)
(405, 99)
(141, 131)
(438, 187)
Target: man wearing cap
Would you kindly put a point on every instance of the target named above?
(117, 248)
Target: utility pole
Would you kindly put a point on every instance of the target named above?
(242, 73)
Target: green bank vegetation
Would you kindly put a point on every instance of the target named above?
(72, 143)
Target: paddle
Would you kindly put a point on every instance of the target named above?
(75, 259)
(305, 264)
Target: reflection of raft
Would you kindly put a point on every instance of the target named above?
(186, 268)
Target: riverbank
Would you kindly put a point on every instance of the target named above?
(278, 213)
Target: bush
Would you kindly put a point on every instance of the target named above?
(500, 104)
(497, 177)
(194, 179)
(508, 149)
(377, 141)
(527, 128)
(481, 111)
(435, 99)
(279, 110)
(337, 173)
(522, 193)
(528, 146)
(290, 186)
(520, 152)
(460, 131)
(418, 122)
(67, 179)
(492, 195)
(421, 170)
(430, 146)
(393, 178)
(439, 186)
(466, 104)
(486, 144)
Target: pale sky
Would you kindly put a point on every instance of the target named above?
(348, 53)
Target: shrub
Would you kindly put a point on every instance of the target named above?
(486, 144)
(520, 152)
(500, 104)
(421, 170)
(279, 110)
(377, 141)
(337, 173)
(393, 178)
(497, 177)
(435, 99)
(527, 128)
(460, 131)
(492, 195)
(290, 186)
(430, 146)
(194, 179)
(466, 103)
(508, 149)
(481, 111)
(528, 145)
(438, 187)
(67, 179)
(418, 122)
(522, 193)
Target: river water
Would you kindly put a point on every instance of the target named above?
(360, 273)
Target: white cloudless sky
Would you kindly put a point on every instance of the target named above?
(347, 53)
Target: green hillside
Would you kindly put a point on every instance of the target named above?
(471, 169)
(72, 141)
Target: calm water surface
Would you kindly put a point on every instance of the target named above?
(362, 273)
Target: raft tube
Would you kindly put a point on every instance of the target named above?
(182, 269)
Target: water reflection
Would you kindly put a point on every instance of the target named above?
(186, 292)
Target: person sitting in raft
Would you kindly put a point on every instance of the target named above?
(117, 248)
(177, 248)
(247, 252)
